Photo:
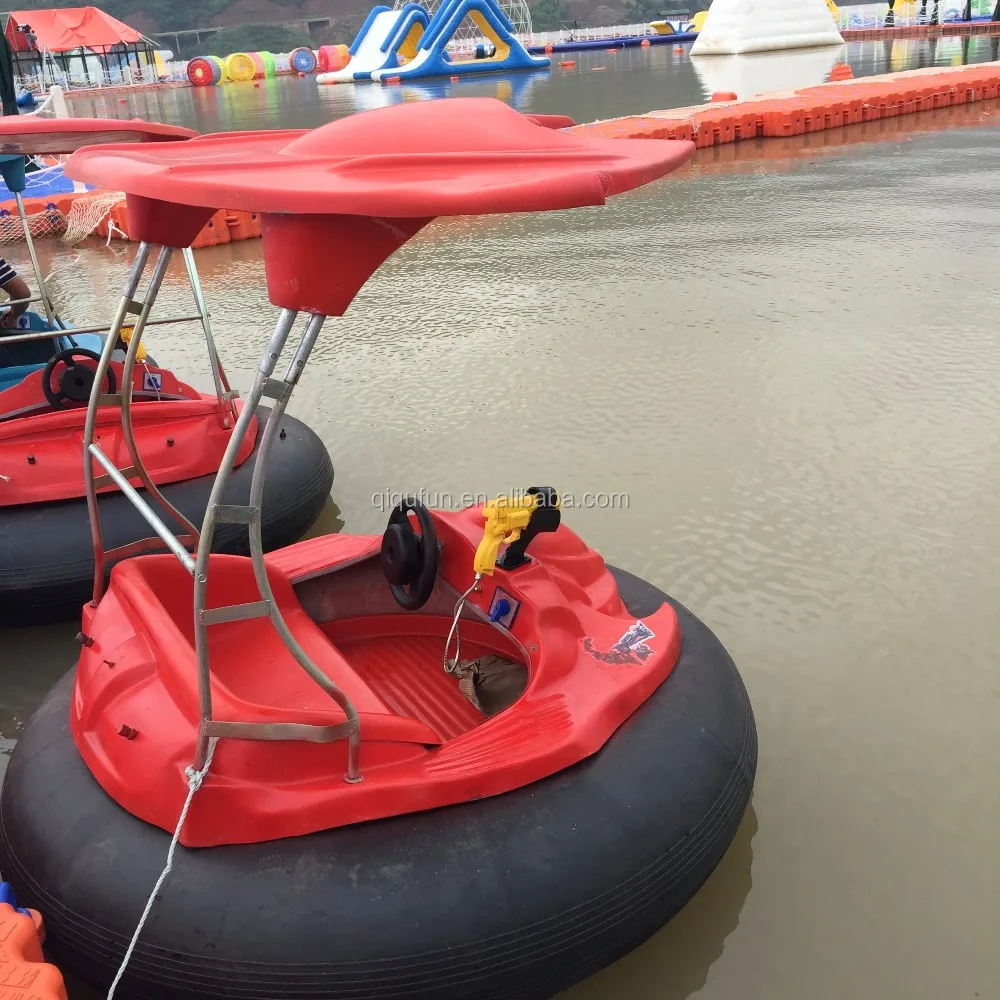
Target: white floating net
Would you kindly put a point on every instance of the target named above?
(85, 216)
(87, 213)
(39, 224)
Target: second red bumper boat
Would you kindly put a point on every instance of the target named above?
(161, 435)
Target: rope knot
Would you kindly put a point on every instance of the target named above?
(195, 778)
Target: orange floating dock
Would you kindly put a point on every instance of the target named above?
(828, 106)
(811, 109)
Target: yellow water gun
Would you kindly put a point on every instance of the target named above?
(126, 335)
(516, 521)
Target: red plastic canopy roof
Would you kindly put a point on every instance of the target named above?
(75, 27)
(29, 136)
(336, 201)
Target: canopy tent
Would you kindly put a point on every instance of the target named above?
(69, 29)
(79, 43)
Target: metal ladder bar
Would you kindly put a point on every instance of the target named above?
(26, 302)
(128, 305)
(90, 426)
(123, 399)
(30, 243)
(143, 545)
(270, 357)
(149, 515)
(128, 370)
(72, 331)
(222, 387)
(298, 362)
(280, 390)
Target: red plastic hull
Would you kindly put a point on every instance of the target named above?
(180, 436)
(421, 747)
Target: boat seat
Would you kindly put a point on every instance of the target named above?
(255, 678)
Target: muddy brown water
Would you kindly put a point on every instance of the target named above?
(792, 370)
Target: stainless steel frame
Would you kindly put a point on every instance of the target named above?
(217, 512)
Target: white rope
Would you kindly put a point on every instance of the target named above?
(452, 666)
(112, 229)
(195, 778)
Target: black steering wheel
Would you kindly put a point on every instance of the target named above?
(77, 381)
(409, 560)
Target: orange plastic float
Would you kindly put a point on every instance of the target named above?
(224, 227)
(567, 63)
(215, 232)
(24, 973)
(243, 225)
(812, 109)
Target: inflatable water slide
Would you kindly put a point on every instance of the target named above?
(409, 43)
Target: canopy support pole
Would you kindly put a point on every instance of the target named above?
(218, 512)
(30, 243)
(123, 399)
(226, 396)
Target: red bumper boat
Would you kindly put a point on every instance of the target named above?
(464, 759)
(176, 434)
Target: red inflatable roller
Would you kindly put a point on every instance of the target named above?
(201, 72)
(333, 57)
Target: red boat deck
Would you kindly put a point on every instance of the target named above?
(406, 672)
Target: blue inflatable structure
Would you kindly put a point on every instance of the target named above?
(43, 183)
(411, 44)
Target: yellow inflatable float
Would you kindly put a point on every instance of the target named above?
(666, 28)
(240, 67)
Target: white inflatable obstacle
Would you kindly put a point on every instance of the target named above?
(371, 49)
(737, 26)
(756, 73)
